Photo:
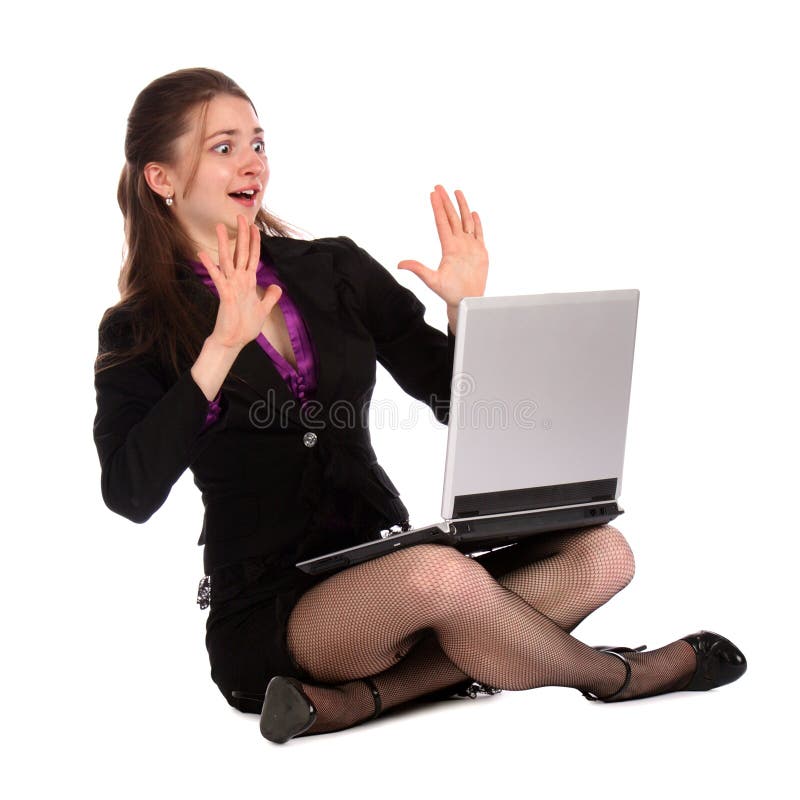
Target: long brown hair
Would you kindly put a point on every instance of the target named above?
(159, 320)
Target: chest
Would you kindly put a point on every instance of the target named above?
(343, 351)
(276, 332)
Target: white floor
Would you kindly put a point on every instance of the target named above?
(117, 721)
(548, 742)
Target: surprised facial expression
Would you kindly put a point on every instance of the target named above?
(232, 173)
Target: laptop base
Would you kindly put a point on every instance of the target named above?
(470, 535)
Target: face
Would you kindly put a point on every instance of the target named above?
(231, 176)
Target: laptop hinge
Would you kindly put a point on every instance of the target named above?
(499, 529)
(509, 501)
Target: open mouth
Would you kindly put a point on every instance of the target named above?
(248, 194)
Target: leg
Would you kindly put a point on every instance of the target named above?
(565, 575)
(424, 670)
(355, 623)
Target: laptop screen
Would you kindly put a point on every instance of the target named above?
(539, 402)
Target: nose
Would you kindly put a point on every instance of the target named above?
(253, 163)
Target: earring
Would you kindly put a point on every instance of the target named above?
(168, 200)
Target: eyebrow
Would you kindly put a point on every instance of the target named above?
(232, 133)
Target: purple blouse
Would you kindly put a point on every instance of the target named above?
(302, 382)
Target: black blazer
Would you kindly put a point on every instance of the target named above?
(266, 467)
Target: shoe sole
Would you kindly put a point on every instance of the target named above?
(286, 711)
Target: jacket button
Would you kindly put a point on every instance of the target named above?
(309, 439)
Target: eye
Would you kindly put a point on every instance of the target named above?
(216, 148)
(260, 146)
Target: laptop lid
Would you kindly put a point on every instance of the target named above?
(539, 402)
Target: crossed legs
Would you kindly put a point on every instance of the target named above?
(428, 617)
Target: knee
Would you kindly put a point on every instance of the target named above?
(622, 554)
(605, 552)
(435, 572)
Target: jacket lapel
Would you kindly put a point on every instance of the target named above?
(309, 280)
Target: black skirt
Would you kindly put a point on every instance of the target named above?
(246, 626)
(251, 600)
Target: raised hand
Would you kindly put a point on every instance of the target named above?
(464, 266)
(241, 314)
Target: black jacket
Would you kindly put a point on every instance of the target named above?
(262, 475)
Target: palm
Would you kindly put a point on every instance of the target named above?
(463, 268)
(242, 310)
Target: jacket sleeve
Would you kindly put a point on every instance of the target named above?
(214, 410)
(146, 433)
(418, 356)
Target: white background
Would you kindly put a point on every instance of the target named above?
(606, 145)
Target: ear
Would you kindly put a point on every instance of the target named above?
(158, 179)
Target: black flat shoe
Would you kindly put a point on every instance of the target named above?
(719, 661)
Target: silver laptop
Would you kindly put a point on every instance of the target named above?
(538, 418)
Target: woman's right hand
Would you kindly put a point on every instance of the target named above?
(241, 314)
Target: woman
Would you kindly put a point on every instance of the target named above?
(249, 356)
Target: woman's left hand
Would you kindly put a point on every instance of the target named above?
(465, 262)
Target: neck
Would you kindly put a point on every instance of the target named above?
(210, 244)
(199, 270)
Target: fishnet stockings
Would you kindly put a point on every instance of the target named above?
(427, 617)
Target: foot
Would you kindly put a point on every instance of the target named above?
(698, 662)
(287, 711)
(719, 661)
(293, 709)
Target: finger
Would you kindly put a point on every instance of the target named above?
(466, 216)
(224, 250)
(255, 248)
(478, 227)
(440, 216)
(213, 270)
(452, 215)
(272, 293)
(242, 251)
(428, 276)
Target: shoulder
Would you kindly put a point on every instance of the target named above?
(281, 248)
(116, 327)
(351, 264)
(354, 272)
(118, 351)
